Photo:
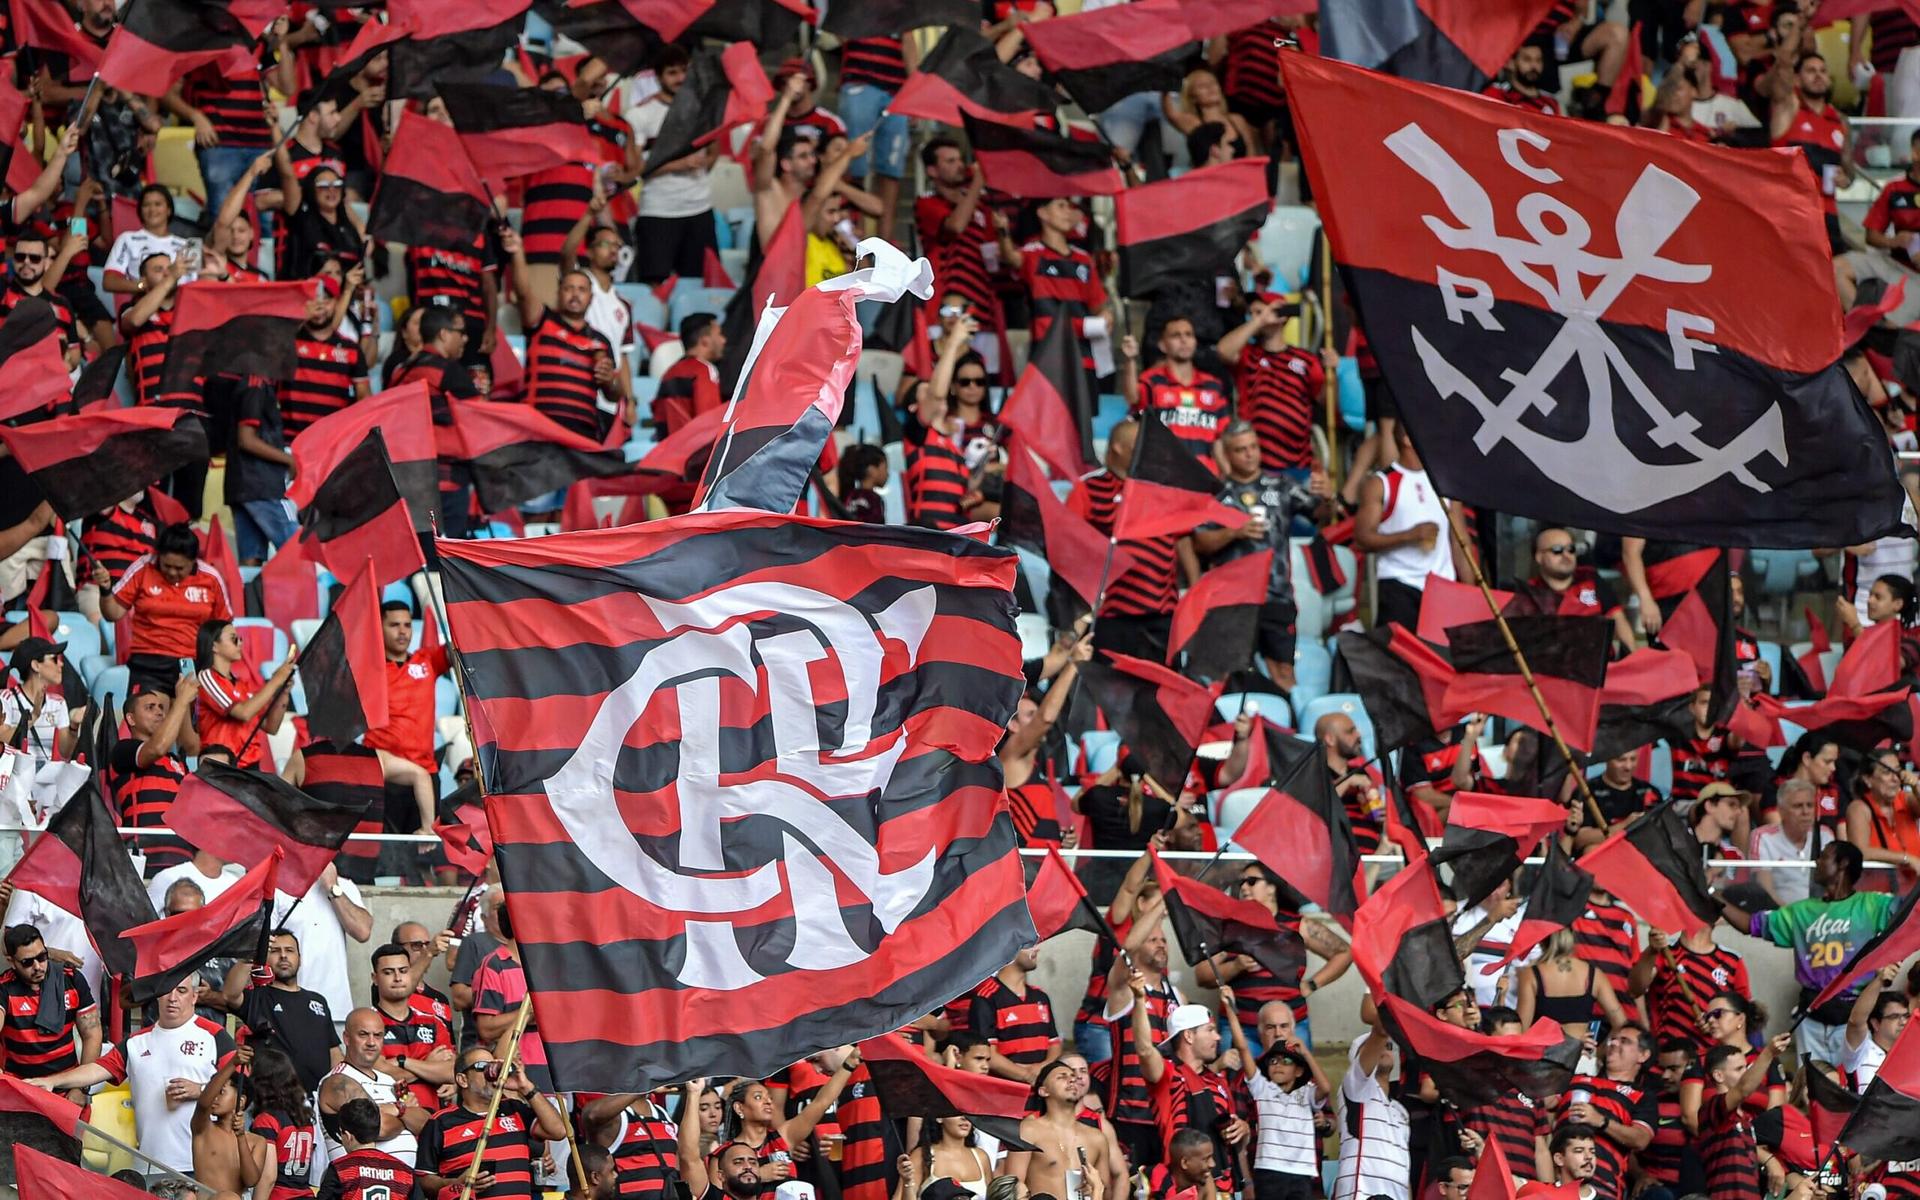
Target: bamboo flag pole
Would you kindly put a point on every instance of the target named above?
(507, 1061)
(1326, 344)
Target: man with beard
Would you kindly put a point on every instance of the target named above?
(965, 240)
(570, 364)
(1620, 1112)
(606, 312)
(522, 1120)
(1562, 587)
(1128, 1101)
(735, 1166)
(276, 1009)
(1803, 117)
(1521, 87)
(34, 263)
(329, 370)
(1071, 1159)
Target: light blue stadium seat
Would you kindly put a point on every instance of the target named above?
(1108, 410)
(280, 642)
(1312, 672)
(894, 500)
(722, 232)
(741, 219)
(446, 697)
(1231, 808)
(1286, 244)
(91, 667)
(1770, 654)
(1039, 576)
(80, 636)
(1102, 748)
(648, 309)
(687, 301)
(110, 682)
(865, 425)
(1271, 706)
(1341, 702)
(397, 590)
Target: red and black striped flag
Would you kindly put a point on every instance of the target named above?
(1403, 941)
(403, 416)
(1301, 832)
(33, 367)
(723, 89)
(1431, 40)
(1402, 680)
(1215, 621)
(1059, 902)
(1899, 941)
(235, 329)
(1567, 395)
(608, 31)
(1206, 921)
(511, 131)
(246, 816)
(1829, 1105)
(887, 18)
(462, 42)
(463, 830)
(343, 666)
(1102, 56)
(430, 193)
(700, 737)
(1445, 603)
(761, 22)
(1568, 656)
(963, 75)
(1557, 898)
(1034, 518)
(357, 514)
(1695, 595)
(162, 41)
(1039, 164)
(91, 461)
(43, 1129)
(517, 452)
(1648, 696)
(1654, 867)
(911, 1084)
(1168, 490)
(1160, 715)
(1196, 224)
(1050, 409)
(1886, 1123)
(1487, 836)
(1862, 707)
(47, 25)
(1470, 1068)
(231, 925)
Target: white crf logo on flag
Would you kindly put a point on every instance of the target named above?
(1579, 284)
(714, 636)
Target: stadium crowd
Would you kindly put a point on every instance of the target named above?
(599, 298)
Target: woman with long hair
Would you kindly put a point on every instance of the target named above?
(1816, 759)
(1883, 820)
(1732, 1019)
(947, 1150)
(1568, 989)
(284, 1117)
(230, 705)
(755, 1120)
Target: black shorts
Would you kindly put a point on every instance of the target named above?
(664, 246)
(1277, 629)
(1380, 405)
(1277, 1185)
(84, 301)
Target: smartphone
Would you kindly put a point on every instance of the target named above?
(191, 252)
(186, 666)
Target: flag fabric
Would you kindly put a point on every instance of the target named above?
(1050, 410)
(1729, 424)
(449, 42)
(885, 18)
(1648, 696)
(231, 925)
(1557, 898)
(235, 329)
(1470, 1068)
(1445, 603)
(1493, 1178)
(1885, 1125)
(247, 817)
(1216, 620)
(780, 277)
(723, 90)
(343, 666)
(463, 831)
(1402, 940)
(33, 369)
(337, 84)
(87, 463)
(606, 29)
(510, 131)
(1899, 941)
(47, 25)
(762, 22)
(1695, 595)
(1149, 510)
(403, 416)
(1402, 680)
(284, 591)
(159, 42)
(99, 377)
(1058, 901)
(908, 1083)
(1300, 831)
(1487, 836)
(1811, 664)
(1829, 1104)
(1862, 707)
(1437, 41)
(1161, 457)
(430, 193)
(1195, 224)
(357, 513)
(664, 710)
(42, 1128)
(1206, 19)
(1568, 656)
(1207, 921)
(1160, 715)
(516, 452)
(1034, 518)
(963, 76)
(1653, 866)
(1102, 56)
(18, 1096)
(1038, 164)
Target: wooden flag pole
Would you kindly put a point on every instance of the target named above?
(493, 1103)
(1333, 378)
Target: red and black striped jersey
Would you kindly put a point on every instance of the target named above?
(448, 1139)
(1185, 1098)
(557, 196)
(1558, 14)
(1253, 66)
(1893, 31)
(873, 60)
(1280, 391)
(292, 1153)
(959, 260)
(1727, 1145)
(13, 294)
(144, 796)
(560, 384)
(325, 376)
(1683, 981)
(1149, 583)
(368, 1174)
(235, 107)
(351, 775)
(645, 1152)
(688, 388)
(1514, 1121)
(1127, 1095)
(1607, 936)
(1622, 1103)
(1539, 102)
(1901, 1179)
(1036, 820)
(1020, 1027)
(117, 537)
(147, 348)
(1061, 286)
(1254, 989)
(936, 477)
(818, 124)
(1665, 1158)
(32, 1052)
(866, 1157)
(414, 1036)
(1195, 411)
(452, 277)
(1700, 762)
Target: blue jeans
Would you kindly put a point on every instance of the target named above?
(1127, 123)
(220, 168)
(1093, 1040)
(260, 526)
(863, 107)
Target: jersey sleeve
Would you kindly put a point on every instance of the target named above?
(113, 1060)
(125, 589)
(329, 1185)
(216, 693)
(1879, 214)
(427, 1157)
(223, 1047)
(83, 993)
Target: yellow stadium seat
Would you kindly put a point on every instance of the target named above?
(112, 1114)
(174, 164)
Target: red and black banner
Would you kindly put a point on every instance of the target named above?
(761, 22)
(89, 462)
(1862, 707)
(1160, 714)
(235, 329)
(160, 42)
(48, 25)
(511, 131)
(1648, 696)
(463, 831)
(33, 367)
(343, 666)
(1216, 621)
(963, 76)
(1195, 224)
(1694, 591)
(1050, 410)
(1829, 1104)
(246, 816)
(403, 416)
(1301, 832)
(1150, 510)
(608, 31)
(1653, 866)
(357, 514)
(430, 193)
(1102, 56)
(1445, 603)
(1470, 1068)
(18, 1096)
(723, 89)
(1886, 1123)
(1403, 942)
(1487, 836)
(517, 452)
(1639, 392)
(909, 1083)
(1568, 656)
(1402, 680)
(42, 1128)
(700, 737)
(1899, 941)
(1059, 902)
(1033, 517)
(231, 925)
(888, 18)
(1557, 898)
(1207, 921)
(1037, 164)
(1455, 45)
(460, 43)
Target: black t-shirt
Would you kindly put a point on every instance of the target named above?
(250, 477)
(297, 1022)
(309, 239)
(1617, 804)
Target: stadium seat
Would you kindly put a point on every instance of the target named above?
(91, 668)
(1109, 410)
(304, 628)
(279, 639)
(894, 500)
(1340, 702)
(648, 309)
(864, 423)
(1271, 705)
(110, 682)
(1231, 808)
(665, 355)
(1102, 750)
(687, 301)
(1286, 244)
(1770, 654)
(81, 636)
(446, 697)
(1312, 672)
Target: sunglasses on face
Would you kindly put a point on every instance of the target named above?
(24, 963)
(971, 381)
(1714, 1014)
(1558, 549)
(23, 257)
(329, 187)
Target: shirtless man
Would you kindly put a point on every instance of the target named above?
(787, 168)
(1071, 1162)
(226, 1158)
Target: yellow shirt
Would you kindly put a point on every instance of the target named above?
(825, 259)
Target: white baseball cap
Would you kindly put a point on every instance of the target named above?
(1185, 1017)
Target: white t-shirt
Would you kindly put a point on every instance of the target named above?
(667, 194)
(1373, 1136)
(609, 315)
(43, 732)
(134, 247)
(1889, 556)
(1409, 501)
(150, 1060)
(323, 943)
(1789, 883)
(1285, 1140)
(209, 888)
(379, 1089)
(1861, 1062)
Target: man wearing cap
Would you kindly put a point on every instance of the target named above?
(1070, 1161)
(33, 718)
(1185, 1092)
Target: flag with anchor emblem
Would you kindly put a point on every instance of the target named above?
(1565, 313)
(741, 782)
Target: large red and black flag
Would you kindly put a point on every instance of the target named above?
(1402, 680)
(1301, 832)
(235, 329)
(43, 1127)
(1040, 164)
(1050, 410)
(1470, 1068)
(343, 666)
(510, 131)
(1445, 603)
(338, 84)
(1654, 867)
(1161, 715)
(1059, 902)
(1034, 518)
(1102, 56)
(1568, 656)
(723, 89)
(403, 416)
(246, 816)
(741, 781)
(231, 925)
(761, 22)
(87, 463)
(1207, 921)
(1215, 622)
(516, 452)
(357, 514)
(1435, 41)
(909, 1083)
(1694, 591)
(1648, 696)
(1487, 835)
(1899, 941)
(1402, 940)
(1886, 1123)
(47, 25)
(430, 193)
(1195, 224)
(1863, 706)
(160, 42)
(1555, 900)
(33, 367)
(1168, 490)
(450, 42)
(963, 75)
(1829, 1105)
(886, 18)
(1620, 381)
(607, 30)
